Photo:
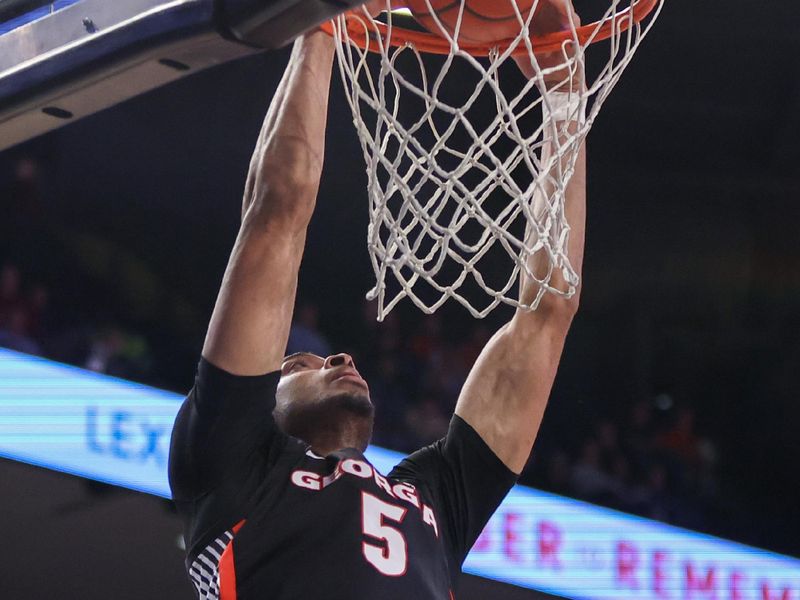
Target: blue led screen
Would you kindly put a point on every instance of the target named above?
(116, 431)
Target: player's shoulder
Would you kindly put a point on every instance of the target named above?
(419, 466)
(209, 376)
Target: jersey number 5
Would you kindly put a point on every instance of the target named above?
(391, 557)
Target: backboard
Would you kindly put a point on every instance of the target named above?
(64, 60)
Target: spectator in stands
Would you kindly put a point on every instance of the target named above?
(305, 335)
(115, 352)
(557, 473)
(470, 348)
(392, 403)
(681, 441)
(657, 501)
(15, 314)
(10, 293)
(14, 335)
(442, 378)
(639, 433)
(426, 342)
(21, 196)
(623, 493)
(385, 340)
(38, 314)
(606, 436)
(426, 421)
(588, 479)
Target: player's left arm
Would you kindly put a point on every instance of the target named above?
(506, 392)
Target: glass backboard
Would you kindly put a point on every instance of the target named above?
(64, 60)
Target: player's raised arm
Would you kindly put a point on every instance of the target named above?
(250, 324)
(506, 392)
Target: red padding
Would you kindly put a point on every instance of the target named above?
(227, 574)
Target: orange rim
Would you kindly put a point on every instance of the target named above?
(434, 44)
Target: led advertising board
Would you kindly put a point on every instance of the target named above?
(115, 431)
(80, 422)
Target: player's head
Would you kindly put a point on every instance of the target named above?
(324, 401)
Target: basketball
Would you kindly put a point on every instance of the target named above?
(484, 21)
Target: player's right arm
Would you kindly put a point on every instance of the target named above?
(228, 412)
(250, 323)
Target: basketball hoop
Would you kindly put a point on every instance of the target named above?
(453, 184)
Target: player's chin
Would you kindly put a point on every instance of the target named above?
(355, 401)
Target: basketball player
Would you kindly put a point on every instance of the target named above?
(266, 461)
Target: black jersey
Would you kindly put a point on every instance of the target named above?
(266, 518)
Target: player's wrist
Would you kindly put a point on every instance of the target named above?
(315, 50)
(318, 39)
(565, 80)
(564, 104)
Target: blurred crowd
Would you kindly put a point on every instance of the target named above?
(649, 460)
(23, 313)
(653, 463)
(28, 323)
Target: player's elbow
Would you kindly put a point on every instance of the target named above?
(281, 200)
(560, 307)
(283, 191)
(553, 311)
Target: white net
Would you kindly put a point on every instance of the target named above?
(466, 177)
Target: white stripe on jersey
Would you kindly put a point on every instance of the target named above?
(204, 571)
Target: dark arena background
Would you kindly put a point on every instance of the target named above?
(676, 398)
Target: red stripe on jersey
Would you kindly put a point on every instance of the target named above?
(452, 597)
(227, 574)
